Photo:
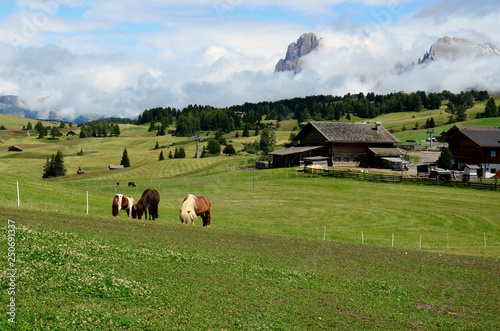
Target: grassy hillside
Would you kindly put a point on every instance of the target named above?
(262, 264)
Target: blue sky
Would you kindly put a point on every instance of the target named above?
(124, 56)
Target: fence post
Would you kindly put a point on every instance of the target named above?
(362, 237)
(18, 198)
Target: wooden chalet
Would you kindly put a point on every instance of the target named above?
(475, 145)
(349, 144)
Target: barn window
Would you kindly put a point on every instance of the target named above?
(346, 159)
(337, 159)
(354, 159)
(493, 170)
(493, 153)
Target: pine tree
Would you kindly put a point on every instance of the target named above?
(54, 166)
(491, 108)
(445, 159)
(161, 158)
(157, 146)
(125, 161)
(170, 156)
(246, 133)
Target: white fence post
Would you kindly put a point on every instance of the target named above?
(18, 198)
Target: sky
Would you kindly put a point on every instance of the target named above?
(121, 57)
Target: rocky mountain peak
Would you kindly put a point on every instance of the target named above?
(452, 48)
(292, 61)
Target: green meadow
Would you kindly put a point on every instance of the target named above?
(286, 250)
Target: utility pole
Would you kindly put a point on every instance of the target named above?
(197, 138)
(430, 132)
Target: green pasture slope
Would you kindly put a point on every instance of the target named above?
(263, 263)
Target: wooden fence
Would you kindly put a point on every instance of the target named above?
(393, 178)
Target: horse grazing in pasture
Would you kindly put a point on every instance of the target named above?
(124, 202)
(148, 202)
(131, 184)
(194, 206)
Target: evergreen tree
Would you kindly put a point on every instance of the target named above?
(237, 135)
(267, 140)
(54, 132)
(246, 132)
(229, 150)
(491, 108)
(213, 147)
(62, 125)
(29, 127)
(157, 146)
(42, 132)
(55, 166)
(125, 161)
(161, 158)
(170, 156)
(445, 159)
(182, 153)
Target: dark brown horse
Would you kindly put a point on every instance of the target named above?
(194, 206)
(148, 202)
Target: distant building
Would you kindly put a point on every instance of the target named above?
(71, 134)
(349, 144)
(475, 145)
(115, 166)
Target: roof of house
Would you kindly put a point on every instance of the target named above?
(295, 150)
(483, 136)
(394, 151)
(350, 132)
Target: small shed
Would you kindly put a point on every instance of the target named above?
(15, 149)
(471, 173)
(115, 166)
(71, 134)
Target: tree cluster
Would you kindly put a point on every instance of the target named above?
(101, 129)
(54, 166)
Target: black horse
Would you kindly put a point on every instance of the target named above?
(148, 202)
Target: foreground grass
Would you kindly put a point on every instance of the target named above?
(88, 273)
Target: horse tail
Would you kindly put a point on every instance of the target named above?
(116, 205)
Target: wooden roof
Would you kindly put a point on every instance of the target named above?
(349, 132)
(483, 136)
(378, 151)
(295, 150)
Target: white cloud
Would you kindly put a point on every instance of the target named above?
(187, 53)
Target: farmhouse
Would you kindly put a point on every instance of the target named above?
(475, 145)
(351, 144)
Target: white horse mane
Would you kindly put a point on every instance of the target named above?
(187, 210)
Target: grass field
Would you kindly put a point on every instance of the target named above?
(285, 251)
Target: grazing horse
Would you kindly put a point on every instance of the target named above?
(194, 206)
(123, 202)
(131, 184)
(149, 201)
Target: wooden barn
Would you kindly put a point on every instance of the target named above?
(351, 144)
(475, 145)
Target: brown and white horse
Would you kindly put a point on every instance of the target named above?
(148, 202)
(194, 206)
(124, 202)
